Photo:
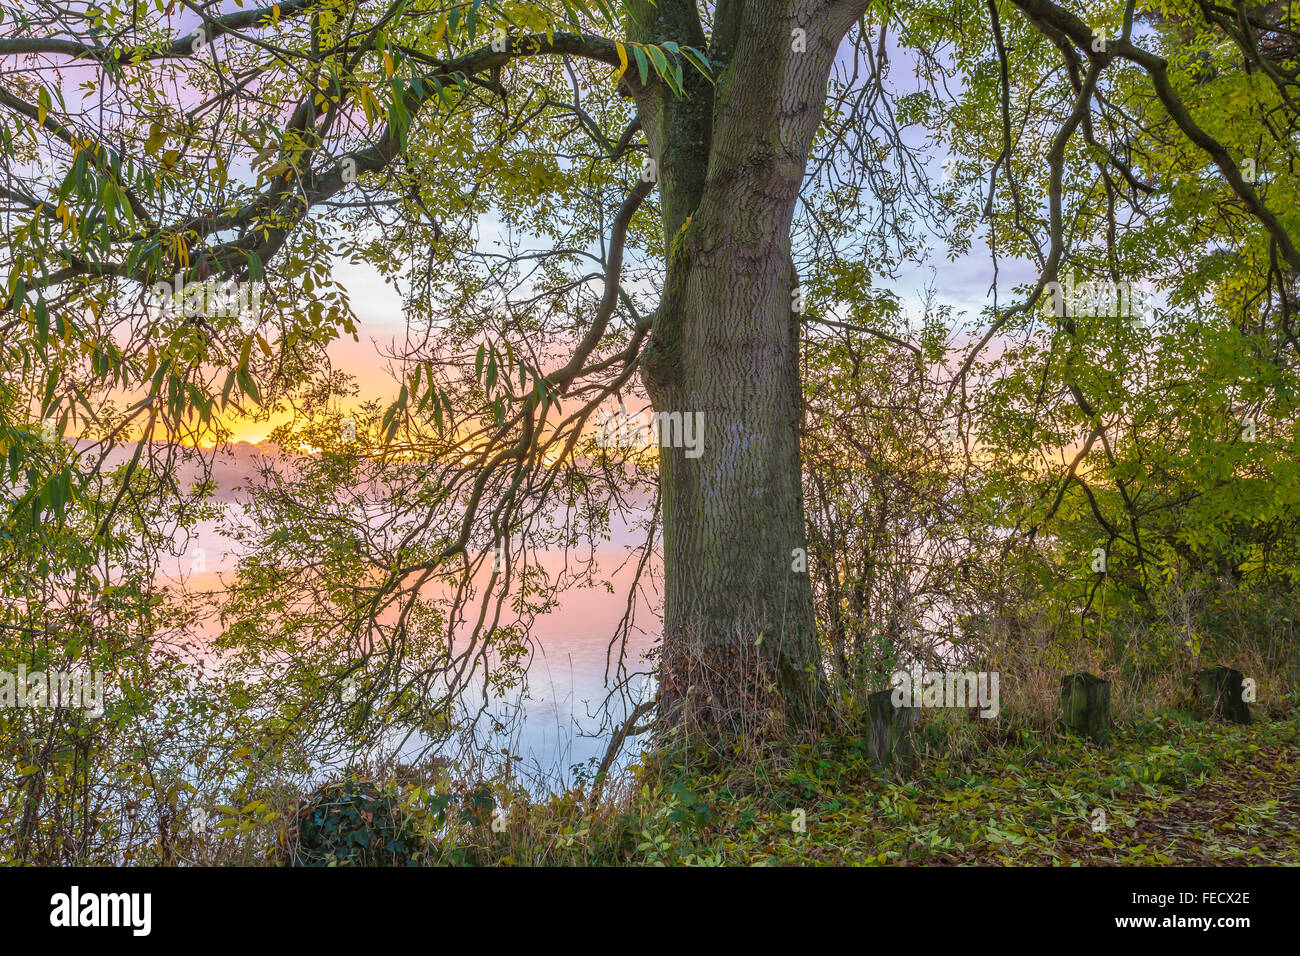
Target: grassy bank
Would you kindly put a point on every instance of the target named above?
(1171, 789)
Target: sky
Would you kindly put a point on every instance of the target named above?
(963, 284)
(378, 308)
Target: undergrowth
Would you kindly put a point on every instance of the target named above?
(1172, 788)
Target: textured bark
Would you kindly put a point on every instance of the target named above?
(740, 650)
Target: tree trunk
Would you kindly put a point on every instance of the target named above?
(739, 650)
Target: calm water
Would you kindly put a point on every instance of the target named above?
(551, 726)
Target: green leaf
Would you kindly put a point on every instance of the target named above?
(642, 64)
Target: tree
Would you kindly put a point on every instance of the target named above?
(410, 120)
(725, 342)
(728, 161)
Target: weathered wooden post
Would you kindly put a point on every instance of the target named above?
(1221, 690)
(891, 742)
(1085, 705)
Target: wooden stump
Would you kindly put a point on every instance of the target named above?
(891, 742)
(1220, 689)
(1085, 705)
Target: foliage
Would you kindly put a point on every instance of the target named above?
(1023, 483)
(352, 823)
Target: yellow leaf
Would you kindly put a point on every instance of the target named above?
(388, 64)
(622, 59)
(370, 104)
(157, 138)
